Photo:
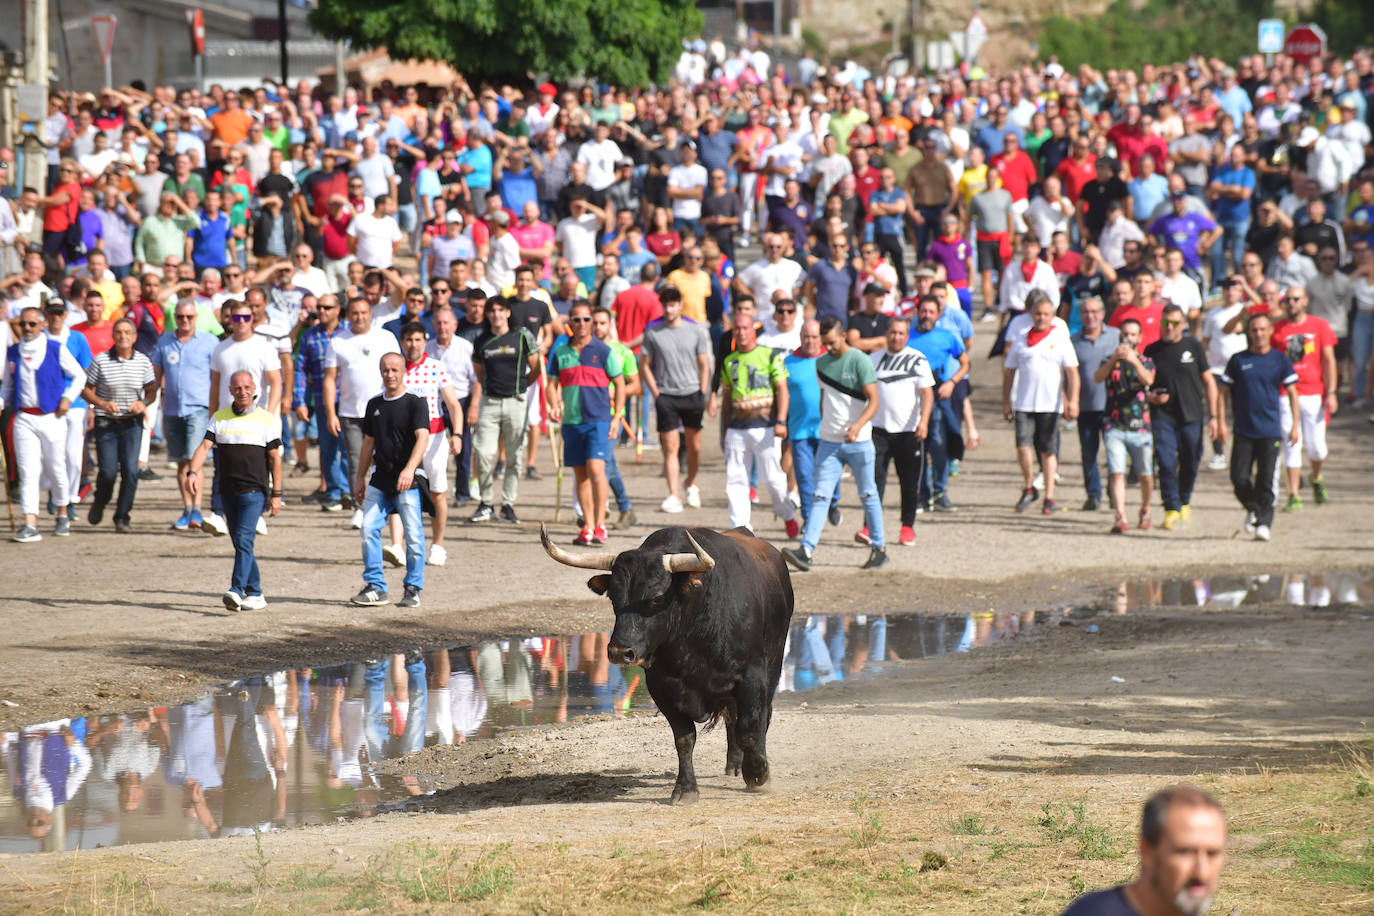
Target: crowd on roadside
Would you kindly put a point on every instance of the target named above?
(1162, 251)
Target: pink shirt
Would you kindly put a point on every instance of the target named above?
(536, 236)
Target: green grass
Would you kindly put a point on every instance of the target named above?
(969, 825)
(1070, 822)
(1321, 855)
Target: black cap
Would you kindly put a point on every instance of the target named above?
(875, 289)
(54, 305)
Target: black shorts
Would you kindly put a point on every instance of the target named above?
(990, 256)
(1342, 349)
(1038, 430)
(674, 410)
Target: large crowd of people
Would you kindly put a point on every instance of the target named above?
(415, 277)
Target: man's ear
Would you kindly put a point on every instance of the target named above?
(599, 584)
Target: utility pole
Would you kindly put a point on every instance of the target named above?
(36, 74)
(340, 77)
(281, 41)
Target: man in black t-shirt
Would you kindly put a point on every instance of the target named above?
(1182, 389)
(395, 436)
(528, 312)
(1182, 851)
(868, 328)
(1097, 194)
(507, 364)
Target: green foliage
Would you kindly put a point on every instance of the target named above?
(1063, 822)
(1348, 24)
(626, 42)
(1158, 32)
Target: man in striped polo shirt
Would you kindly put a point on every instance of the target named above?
(41, 380)
(428, 378)
(247, 443)
(584, 370)
(120, 385)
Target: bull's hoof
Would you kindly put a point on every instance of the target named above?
(683, 796)
(755, 771)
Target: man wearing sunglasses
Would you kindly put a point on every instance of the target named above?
(181, 366)
(1182, 388)
(586, 372)
(41, 381)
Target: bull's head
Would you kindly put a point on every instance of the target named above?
(641, 586)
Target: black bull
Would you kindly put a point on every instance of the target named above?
(706, 614)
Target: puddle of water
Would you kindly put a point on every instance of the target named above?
(298, 747)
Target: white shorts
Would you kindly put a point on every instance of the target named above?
(1018, 212)
(1312, 440)
(435, 463)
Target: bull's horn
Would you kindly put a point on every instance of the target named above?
(697, 561)
(581, 561)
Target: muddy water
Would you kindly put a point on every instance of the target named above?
(296, 747)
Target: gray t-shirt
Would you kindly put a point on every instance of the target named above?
(1194, 173)
(1092, 396)
(674, 353)
(990, 209)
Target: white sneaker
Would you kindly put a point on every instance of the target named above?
(1039, 482)
(1261, 532)
(356, 523)
(794, 498)
(253, 603)
(1218, 463)
(1250, 521)
(394, 554)
(672, 504)
(261, 526)
(438, 556)
(214, 524)
(694, 496)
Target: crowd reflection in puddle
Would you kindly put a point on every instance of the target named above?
(298, 747)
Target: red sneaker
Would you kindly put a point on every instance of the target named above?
(793, 529)
(599, 535)
(862, 536)
(907, 537)
(753, 494)
(584, 538)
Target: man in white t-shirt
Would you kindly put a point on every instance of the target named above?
(773, 272)
(307, 275)
(505, 252)
(1181, 290)
(779, 162)
(576, 237)
(375, 169)
(906, 396)
(686, 187)
(242, 351)
(376, 235)
(1221, 347)
(352, 377)
(1039, 382)
(600, 156)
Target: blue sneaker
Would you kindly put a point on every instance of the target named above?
(195, 517)
(183, 522)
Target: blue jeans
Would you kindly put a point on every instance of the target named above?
(116, 448)
(943, 424)
(617, 484)
(1089, 441)
(376, 707)
(241, 514)
(1178, 451)
(1361, 346)
(332, 461)
(376, 507)
(830, 459)
(804, 466)
(1232, 240)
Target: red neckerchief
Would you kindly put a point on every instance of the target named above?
(1033, 336)
(1028, 271)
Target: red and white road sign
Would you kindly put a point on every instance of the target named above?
(1305, 43)
(104, 28)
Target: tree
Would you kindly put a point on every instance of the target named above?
(624, 42)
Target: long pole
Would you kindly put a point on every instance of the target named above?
(340, 77)
(35, 74)
(281, 41)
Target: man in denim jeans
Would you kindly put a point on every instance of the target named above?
(1182, 389)
(1127, 376)
(849, 399)
(1093, 343)
(119, 385)
(395, 437)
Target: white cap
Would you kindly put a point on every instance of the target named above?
(1307, 136)
(453, 216)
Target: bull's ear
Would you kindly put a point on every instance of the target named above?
(690, 584)
(599, 584)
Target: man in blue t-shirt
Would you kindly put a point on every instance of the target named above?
(1182, 852)
(804, 418)
(1229, 193)
(888, 206)
(210, 244)
(1255, 377)
(1191, 233)
(514, 178)
(949, 363)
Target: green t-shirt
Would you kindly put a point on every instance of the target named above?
(750, 377)
(629, 365)
(842, 381)
(172, 186)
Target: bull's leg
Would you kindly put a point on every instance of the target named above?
(685, 739)
(734, 754)
(753, 699)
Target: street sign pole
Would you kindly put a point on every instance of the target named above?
(104, 29)
(1270, 39)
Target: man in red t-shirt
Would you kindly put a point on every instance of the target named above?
(1129, 138)
(1310, 346)
(636, 307)
(1142, 308)
(99, 332)
(1077, 170)
(334, 242)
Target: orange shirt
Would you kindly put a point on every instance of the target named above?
(231, 125)
(56, 218)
